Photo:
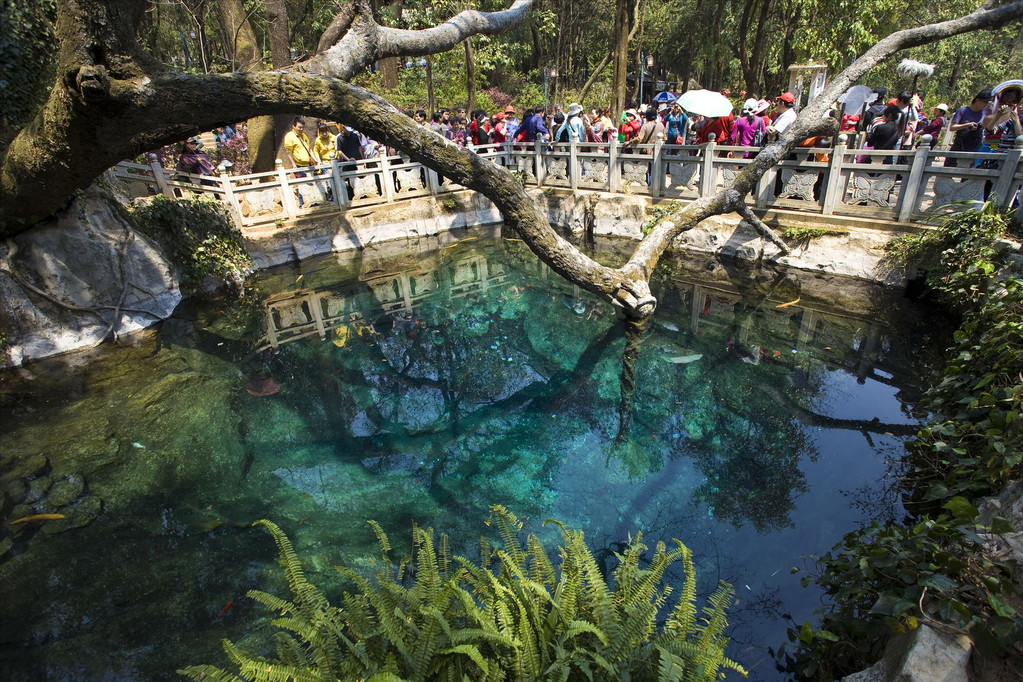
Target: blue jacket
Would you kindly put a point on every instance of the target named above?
(533, 125)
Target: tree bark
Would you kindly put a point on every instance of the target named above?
(247, 56)
(620, 50)
(470, 76)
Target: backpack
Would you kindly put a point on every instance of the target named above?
(369, 148)
(563, 134)
(760, 137)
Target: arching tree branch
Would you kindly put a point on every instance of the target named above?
(811, 122)
(365, 41)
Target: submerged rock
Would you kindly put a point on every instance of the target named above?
(80, 514)
(23, 468)
(66, 490)
(37, 488)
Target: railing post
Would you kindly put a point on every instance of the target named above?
(764, 187)
(229, 197)
(340, 189)
(1004, 186)
(834, 188)
(614, 171)
(657, 167)
(708, 176)
(159, 177)
(573, 164)
(541, 168)
(387, 177)
(432, 181)
(287, 193)
(909, 198)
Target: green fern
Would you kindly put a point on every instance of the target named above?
(516, 616)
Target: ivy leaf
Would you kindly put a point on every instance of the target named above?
(889, 605)
(961, 508)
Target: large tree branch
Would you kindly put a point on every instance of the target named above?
(365, 41)
(811, 122)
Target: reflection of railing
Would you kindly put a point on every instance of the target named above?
(837, 338)
(298, 315)
(923, 182)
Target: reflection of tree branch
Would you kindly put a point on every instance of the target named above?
(813, 419)
(634, 329)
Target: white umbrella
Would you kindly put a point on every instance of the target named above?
(705, 103)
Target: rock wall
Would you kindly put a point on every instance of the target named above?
(80, 278)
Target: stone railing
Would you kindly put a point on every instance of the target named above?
(920, 184)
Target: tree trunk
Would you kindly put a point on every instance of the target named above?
(247, 57)
(389, 65)
(470, 76)
(640, 67)
(271, 130)
(620, 50)
(431, 105)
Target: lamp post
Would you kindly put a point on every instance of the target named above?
(553, 73)
(647, 61)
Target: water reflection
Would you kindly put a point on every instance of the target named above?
(422, 388)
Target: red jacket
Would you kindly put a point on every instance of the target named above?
(630, 129)
(721, 127)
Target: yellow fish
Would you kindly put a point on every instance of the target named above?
(786, 305)
(36, 517)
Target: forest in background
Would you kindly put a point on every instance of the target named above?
(741, 46)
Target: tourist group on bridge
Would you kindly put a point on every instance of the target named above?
(988, 126)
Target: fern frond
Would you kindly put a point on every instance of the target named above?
(358, 616)
(237, 656)
(477, 635)
(208, 672)
(508, 528)
(292, 566)
(268, 671)
(444, 557)
(540, 568)
(682, 621)
(670, 667)
(472, 652)
(430, 639)
(385, 544)
(533, 657)
(577, 627)
(290, 651)
(595, 592)
(428, 580)
(386, 677)
(274, 603)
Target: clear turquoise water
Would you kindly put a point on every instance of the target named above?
(460, 378)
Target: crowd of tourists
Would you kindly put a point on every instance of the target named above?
(989, 123)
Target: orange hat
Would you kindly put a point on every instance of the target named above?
(787, 97)
(498, 116)
(509, 109)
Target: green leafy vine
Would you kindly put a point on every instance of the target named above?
(199, 236)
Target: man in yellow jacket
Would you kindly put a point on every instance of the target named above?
(296, 145)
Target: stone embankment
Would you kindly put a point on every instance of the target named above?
(86, 276)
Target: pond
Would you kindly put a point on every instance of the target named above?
(767, 414)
